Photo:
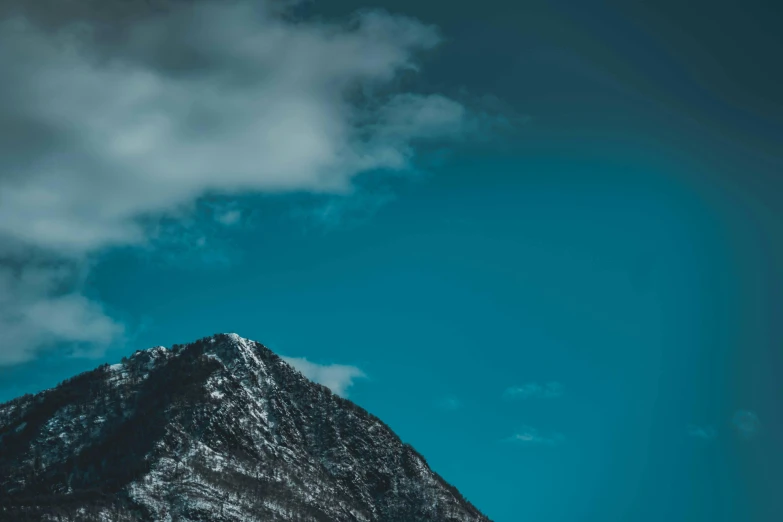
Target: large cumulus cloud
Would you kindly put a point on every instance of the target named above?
(119, 112)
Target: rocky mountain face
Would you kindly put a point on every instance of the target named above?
(218, 430)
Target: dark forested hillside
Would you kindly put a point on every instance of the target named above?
(221, 430)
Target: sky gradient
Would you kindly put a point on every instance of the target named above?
(541, 241)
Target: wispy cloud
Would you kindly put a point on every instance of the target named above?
(337, 377)
(28, 320)
(229, 217)
(702, 432)
(746, 423)
(193, 243)
(528, 436)
(449, 403)
(327, 213)
(533, 390)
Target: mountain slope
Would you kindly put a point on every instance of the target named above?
(220, 429)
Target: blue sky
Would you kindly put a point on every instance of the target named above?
(550, 261)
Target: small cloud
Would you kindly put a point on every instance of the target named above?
(532, 437)
(448, 403)
(746, 423)
(36, 315)
(229, 217)
(702, 432)
(329, 213)
(191, 243)
(336, 377)
(533, 390)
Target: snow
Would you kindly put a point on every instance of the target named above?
(293, 435)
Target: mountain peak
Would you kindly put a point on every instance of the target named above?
(244, 358)
(219, 429)
(228, 344)
(235, 337)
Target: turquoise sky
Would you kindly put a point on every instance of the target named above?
(573, 317)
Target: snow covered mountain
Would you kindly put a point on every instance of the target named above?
(218, 430)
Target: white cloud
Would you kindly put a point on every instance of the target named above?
(265, 110)
(533, 390)
(531, 437)
(34, 312)
(449, 403)
(702, 432)
(115, 114)
(336, 377)
(746, 423)
(329, 213)
(228, 217)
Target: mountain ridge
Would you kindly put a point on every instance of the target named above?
(218, 429)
